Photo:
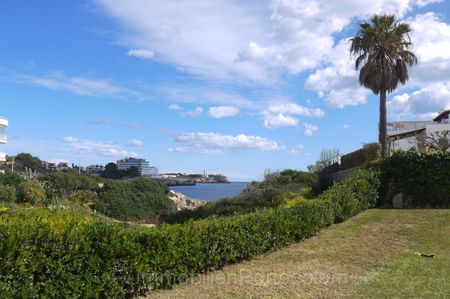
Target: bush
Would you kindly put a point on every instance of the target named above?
(67, 183)
(84, 197)
(7, 193)
(32, 191)
(423, 179)
(140, 199)
(358, 192)
(11, 178)
(63, 254)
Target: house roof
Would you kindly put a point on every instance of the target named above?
(406, 134)
(442, 115)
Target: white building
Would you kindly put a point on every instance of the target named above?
(3, 138)
(144, 167)
(404, 135)
(95, 169)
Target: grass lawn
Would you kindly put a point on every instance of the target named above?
(371, 255)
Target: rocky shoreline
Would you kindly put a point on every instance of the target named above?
(183, 202)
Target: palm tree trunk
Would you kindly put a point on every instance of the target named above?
(382, 130)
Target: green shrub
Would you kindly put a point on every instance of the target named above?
(11, 178)
(423, 179)
(67, 183)
(7, 193)
(63, 254)
(358, 192)
(32, 191)
(139, 199)
(84, 197)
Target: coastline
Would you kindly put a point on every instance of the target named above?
(185, 203)
(211, 191)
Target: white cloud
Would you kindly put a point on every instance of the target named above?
(295, 150)
(110, 122)
(194, 113)
(223, 111)
(347, 97)
(431, 37)
(295, 109)
(141, 53)
(196, 150)
(174, 107)
(310, 129)
(430, 79)
(78, 85)
(135, 142)
(423, 104)
(278, 120)
(277, 111)
(206, 95)
(282, 114)
(100, 148)
(337, 83)
(344, 127)
(220, 141)
(242, 40)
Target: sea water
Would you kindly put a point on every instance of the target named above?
(211, 191)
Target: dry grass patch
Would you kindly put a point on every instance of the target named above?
(341, 259)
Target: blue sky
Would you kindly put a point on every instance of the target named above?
(235, 87)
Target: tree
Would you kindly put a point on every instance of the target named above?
(133, 172)
(67, 183)
(437, 141)
(27, 161)
(381, 48)
(111, 171)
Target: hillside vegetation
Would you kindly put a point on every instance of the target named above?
(372, 255)
(54, 244)
(275, 190)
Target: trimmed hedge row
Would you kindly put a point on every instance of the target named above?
(423, 179)
(62, 254)
(358, 192)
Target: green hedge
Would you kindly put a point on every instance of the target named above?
(358, 192)
(424, 179)
(62, 254)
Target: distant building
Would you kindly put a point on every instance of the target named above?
(62, 166)
(52, 166)
(142, 165)
(3, 138)
(95, 169)
(403, 135)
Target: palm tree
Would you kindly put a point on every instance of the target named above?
(381, 48)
